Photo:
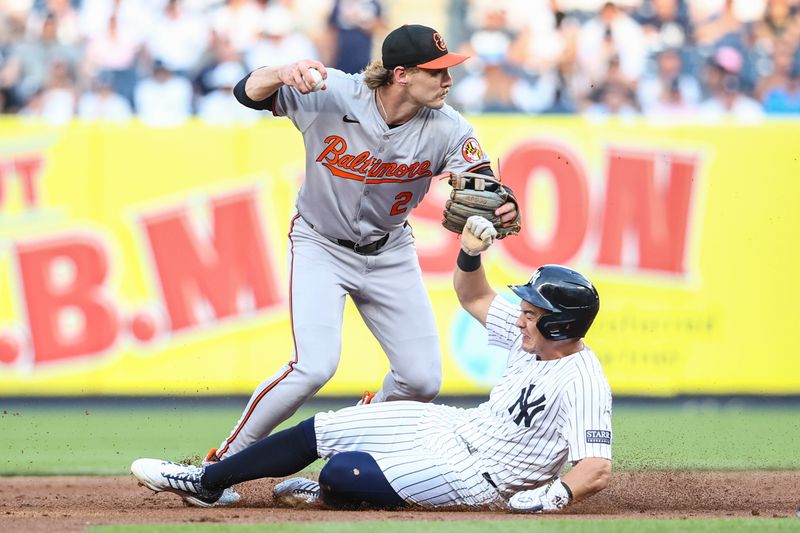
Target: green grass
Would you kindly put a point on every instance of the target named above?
(706, 438)
(506, 526)
(104, 440)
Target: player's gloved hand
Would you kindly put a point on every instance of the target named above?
(551, 497)
(478, 234)
(480, 194)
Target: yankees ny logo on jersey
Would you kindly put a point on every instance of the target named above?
(525, 405)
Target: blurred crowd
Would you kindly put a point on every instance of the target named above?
(165, 61)
(665, 59)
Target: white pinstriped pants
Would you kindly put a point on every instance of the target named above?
(417, 448)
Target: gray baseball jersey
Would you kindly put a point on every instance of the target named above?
(539, 416)
(362, 181)
(362, 177)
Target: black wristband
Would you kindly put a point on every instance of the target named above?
(242, 98)
(468, 263)
(569, 491)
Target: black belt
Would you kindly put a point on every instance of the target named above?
(367, 249)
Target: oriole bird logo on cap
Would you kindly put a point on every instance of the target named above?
(438, 40)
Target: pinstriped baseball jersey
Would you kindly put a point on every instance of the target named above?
(540, 415)
(362, 177)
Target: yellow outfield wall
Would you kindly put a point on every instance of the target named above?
(142, 261)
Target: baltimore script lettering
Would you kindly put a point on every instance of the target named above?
(344, 165)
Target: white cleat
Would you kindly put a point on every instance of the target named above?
(297, 492)
(229, 497)
(183, 480)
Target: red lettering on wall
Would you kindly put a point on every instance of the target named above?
(79, 289)
(649, 195)
(27, 170)
(233, 261)
(520, 166)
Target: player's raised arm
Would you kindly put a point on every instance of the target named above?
(469, 278)
(255, 89)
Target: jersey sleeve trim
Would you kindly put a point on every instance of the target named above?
(483, 167)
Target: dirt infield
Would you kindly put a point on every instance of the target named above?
(74, 503)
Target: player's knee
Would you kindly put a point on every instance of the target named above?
(316, 375)
(424, 387)
(420, 377)
(318, 353)
(427, 391)
(354, 479)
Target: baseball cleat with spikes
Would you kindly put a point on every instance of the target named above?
(211, 457)
(183, 480)
(366, 398)
(297, 492)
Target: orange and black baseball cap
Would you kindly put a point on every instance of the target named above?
(413, 45)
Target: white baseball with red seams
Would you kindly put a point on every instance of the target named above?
(363, 178)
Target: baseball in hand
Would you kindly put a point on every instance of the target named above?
(319, 83)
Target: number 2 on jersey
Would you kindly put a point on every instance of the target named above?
(400, 206)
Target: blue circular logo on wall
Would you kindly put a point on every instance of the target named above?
(484, 364)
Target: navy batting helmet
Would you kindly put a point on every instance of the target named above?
(570, 299)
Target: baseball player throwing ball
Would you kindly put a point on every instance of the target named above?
(373, 143)
(551, 407)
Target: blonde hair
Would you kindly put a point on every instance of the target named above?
(375, 75)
